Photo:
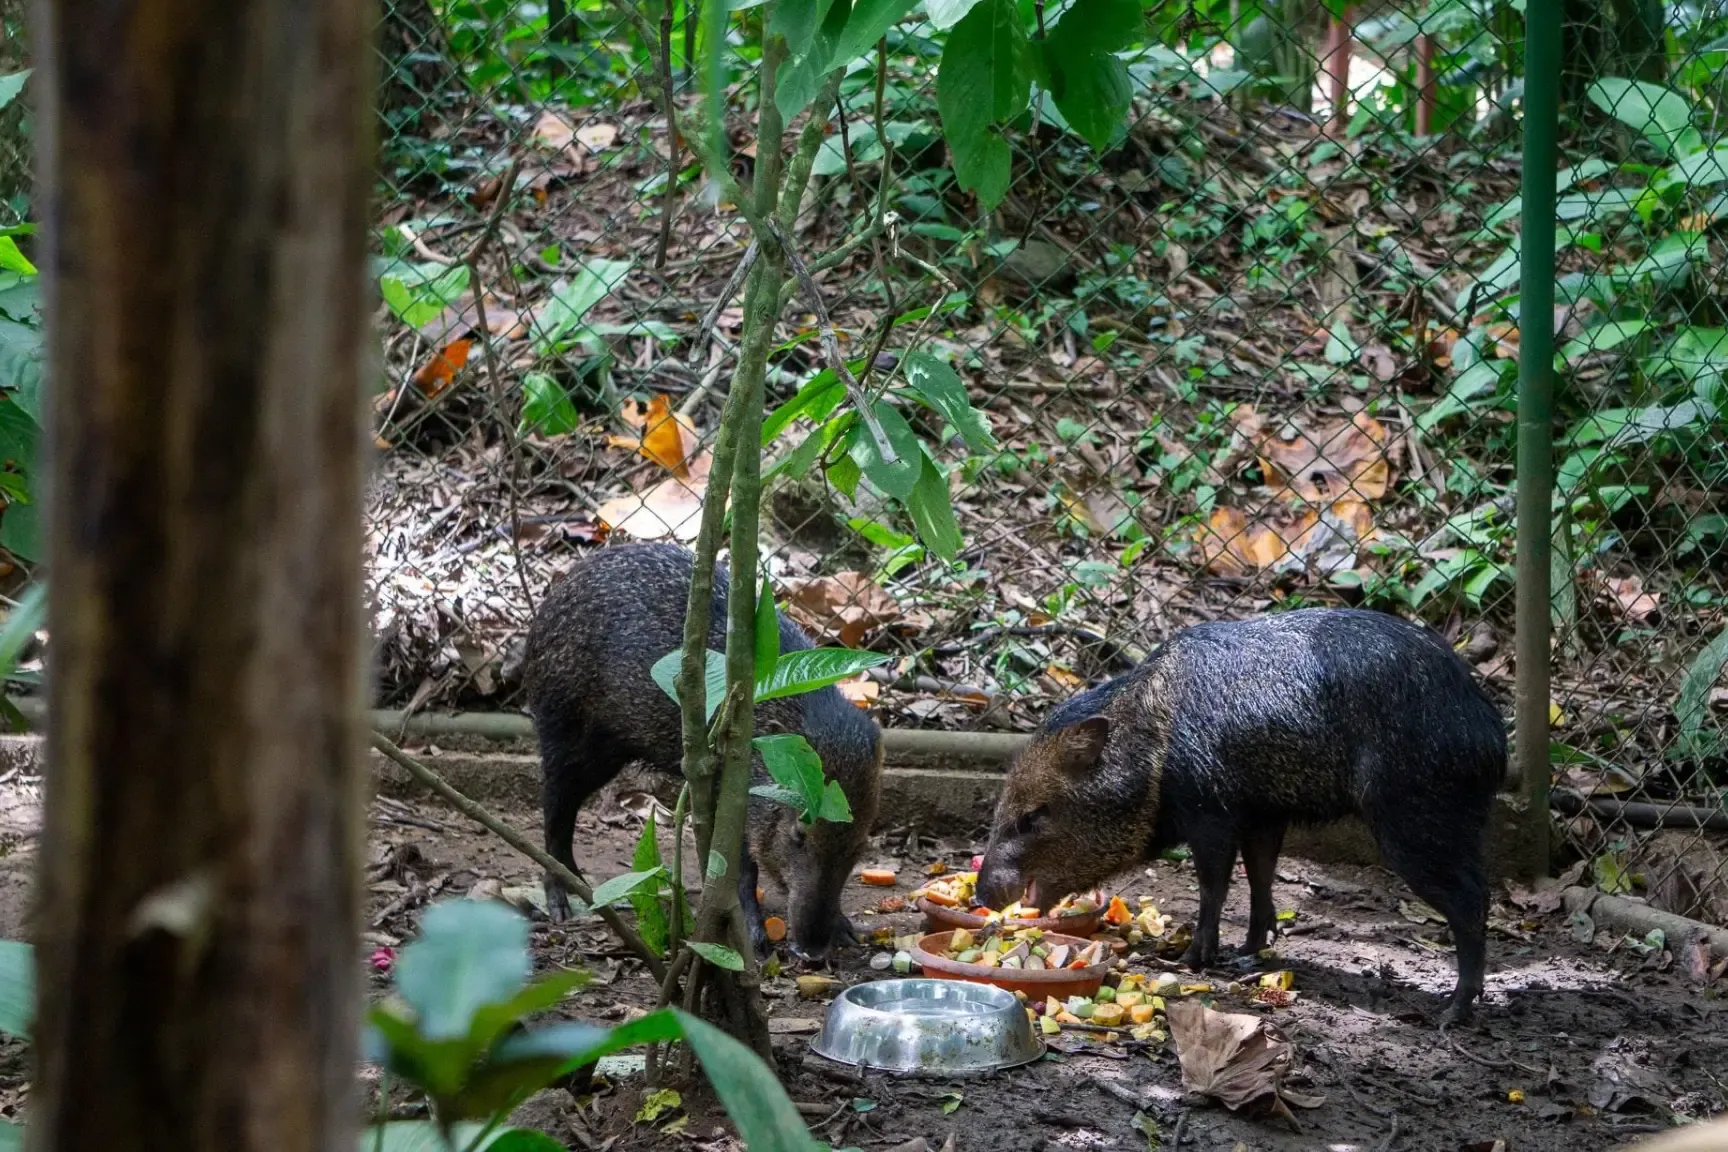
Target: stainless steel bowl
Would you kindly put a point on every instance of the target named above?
(934, 1027)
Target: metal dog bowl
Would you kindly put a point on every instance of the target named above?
(935, 1027)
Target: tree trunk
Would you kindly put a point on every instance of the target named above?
(417, 73)
(206, 171)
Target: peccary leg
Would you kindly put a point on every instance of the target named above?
(574, 770)
(1260, 846)
(1448, 875)
(747, 880)
(1214, 849)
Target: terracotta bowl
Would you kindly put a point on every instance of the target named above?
(937, 917)
(1037, 984)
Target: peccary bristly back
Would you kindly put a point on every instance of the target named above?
(596, 709)
(1228, 733)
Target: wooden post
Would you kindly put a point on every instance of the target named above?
(206, 170)
(1340, 38)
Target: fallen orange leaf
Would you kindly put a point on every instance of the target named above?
(667, 438)
(439, 372)
(1327, 463)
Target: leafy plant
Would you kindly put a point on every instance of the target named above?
(456, 1032)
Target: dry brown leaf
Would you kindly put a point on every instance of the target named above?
(667, 438)
(862, 691)
(1627, 592)
(553, 132)
(1328, 463)
(847, 606)
(597, 137)
(1065, 677)
(437, 373)
(1234, 1058)
(671, 509)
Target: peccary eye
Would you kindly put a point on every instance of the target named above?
(1028, 822)
(798, 835)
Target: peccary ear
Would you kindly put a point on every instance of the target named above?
(1083, 743)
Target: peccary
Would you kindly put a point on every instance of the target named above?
(1228, 733)
(596, 709)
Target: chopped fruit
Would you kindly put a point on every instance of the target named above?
(1049, 1025)
(1141, 1013)
(1109, 1015)
(775, 928)
(1118, 912)
(879, 877)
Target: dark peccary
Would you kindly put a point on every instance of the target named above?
(1228, 733)
(596, 709)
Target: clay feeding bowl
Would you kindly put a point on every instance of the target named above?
(938, 917)
(1037, 983)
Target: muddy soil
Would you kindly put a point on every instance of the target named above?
(1576, 1046)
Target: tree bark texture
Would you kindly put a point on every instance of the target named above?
(206, 165)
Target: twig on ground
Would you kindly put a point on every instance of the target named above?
(1391, 1137)
(516, 840)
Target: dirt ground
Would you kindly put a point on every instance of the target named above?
(1575, 1046)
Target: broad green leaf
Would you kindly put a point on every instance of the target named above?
(767, 631)
(547, 409)
(650, 914)
(572, 299)
(796, 768)
(778, 795)
(835, 808)
(844, 474)
(420, 1136)
(12, 260)
(419, 293)
(1692, 703)
(797, 21)
(11, 84)
(21, 530)
(491, 1020)
(869, 21)
(765, 1117)
(665, 674)
(938, 386)
(813, 668)
(932, 511)
(620, 887)
(1088, 82)
(712, 26)
(23, 622)
(523, 1140)
(1617, 427)
(796, 463)
(718, 955)
(818, 397)
(944, 14)
(1661, 115)
(17, 983)
(984, 79)
(469, 953)
(800, 77)
(1703, 169)
(1604, 337)
(897, 478)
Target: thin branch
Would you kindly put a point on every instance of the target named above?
(507, 425)
(516, 840)
(672, 148)
(733, 283)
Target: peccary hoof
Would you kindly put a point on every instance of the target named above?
(557, 901)
(1197, 957)
(1457, 1011)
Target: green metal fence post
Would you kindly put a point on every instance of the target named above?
(1536, 413)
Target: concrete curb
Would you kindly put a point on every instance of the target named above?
(1635, 917)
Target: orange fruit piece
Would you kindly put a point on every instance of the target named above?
(1118, 912)
(880, 877)
(775, 928)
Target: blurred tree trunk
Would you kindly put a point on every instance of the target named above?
(206, 170)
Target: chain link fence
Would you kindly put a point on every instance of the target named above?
(1262, 354)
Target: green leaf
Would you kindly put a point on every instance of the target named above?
(795, 767)
(932, 511)
(620, 887)
(657, 1103)
(985, 78)
(10, 85)
(835, 808)
(419, 293)
(521, 1140)
(800, 77)
(716, 14)
(665, 673)
(469, 953)
(1603, 337)
(23, 622)
(1661, 115)
(1692, 704)
(650, 915)
(546, 406)
(897, 478)
(813, 668)
(767, 631)
(815, 400)
(765, 1117)
(844, 474)
(1702, 169)
(718, 955)
(939, 387)
(944, 14)
(21, 530)
(12, 260)
(572, 299)
(869, 21)
(1088, 82)
(17, 988)
(420, 1136)
(778, 795)
(797, 21)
